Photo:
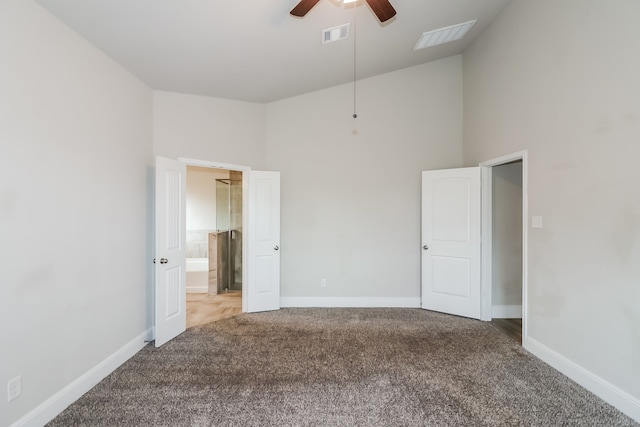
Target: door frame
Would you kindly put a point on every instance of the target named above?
(486, 172)
(245, 217)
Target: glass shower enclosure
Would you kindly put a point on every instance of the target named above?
(229, 232)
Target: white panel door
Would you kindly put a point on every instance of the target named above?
(263, 249)
(451, 241)
(170, 275)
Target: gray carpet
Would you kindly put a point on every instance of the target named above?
(339, 367)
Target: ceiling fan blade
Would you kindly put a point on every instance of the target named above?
(383, 9)
(303, 7)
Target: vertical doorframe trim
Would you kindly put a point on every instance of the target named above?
(486, 171)
(486, 248)
(245, 218)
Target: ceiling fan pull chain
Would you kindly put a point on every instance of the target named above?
(355, 115)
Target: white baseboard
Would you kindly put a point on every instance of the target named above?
(57, 403)
(197, 290)
(596, 385)
(506, 312)
(326, 302)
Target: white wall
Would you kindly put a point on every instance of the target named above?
(201, 197)
(75, 159)
(506, 210)
(562, 79)
(211, 129)
(351, 188)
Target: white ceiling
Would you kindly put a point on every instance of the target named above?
(253, 50)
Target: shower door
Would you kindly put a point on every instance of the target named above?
(235, 226)
(229, 232)
(223, 231)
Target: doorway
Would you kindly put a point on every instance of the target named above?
(504, 227)
(214, 220)
(261, 242)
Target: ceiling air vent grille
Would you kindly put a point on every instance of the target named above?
(444, 35)
(335, 34)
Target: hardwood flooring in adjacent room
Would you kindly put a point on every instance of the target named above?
(511, 327)
(205, 308)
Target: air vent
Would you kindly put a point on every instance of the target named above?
(444, 35)
(335, 34)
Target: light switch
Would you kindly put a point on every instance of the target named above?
(536, 222)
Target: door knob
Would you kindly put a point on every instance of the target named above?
(276, 248)
(163, 260)
(425, 247)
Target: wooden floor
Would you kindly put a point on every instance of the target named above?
(511, 327)
(205, 308)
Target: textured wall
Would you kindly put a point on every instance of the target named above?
(212, 129)
(562, 79)
(351, 188)
(75, 185)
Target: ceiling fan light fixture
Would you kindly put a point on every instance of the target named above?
(381, 8)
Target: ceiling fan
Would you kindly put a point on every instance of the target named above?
(382, 8)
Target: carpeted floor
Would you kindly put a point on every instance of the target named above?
(339, 367)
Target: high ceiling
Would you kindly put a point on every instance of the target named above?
(253, 50)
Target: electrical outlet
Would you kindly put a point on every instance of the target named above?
(14, 388)
(323, 283)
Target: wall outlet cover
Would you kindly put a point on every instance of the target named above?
(536, 222)
(14, 388)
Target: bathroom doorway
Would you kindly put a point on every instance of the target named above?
(214, 217)
(260, 244)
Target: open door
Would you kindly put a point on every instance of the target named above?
(451, 241)
(263, 246)
(170, 277)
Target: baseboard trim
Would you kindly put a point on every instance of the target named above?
(57, 403)
(506, 312)
(596, 385)
(328, 302)
(197, 290)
